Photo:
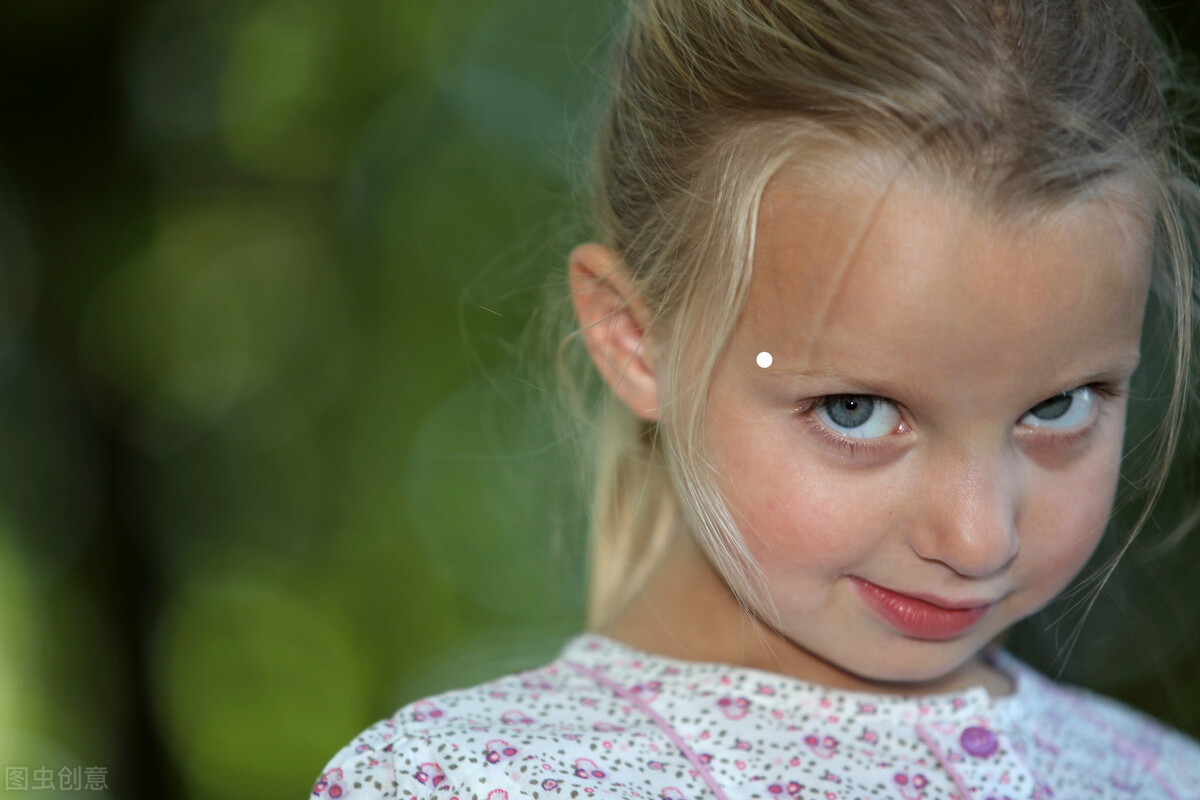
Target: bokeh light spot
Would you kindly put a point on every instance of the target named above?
(244, 642)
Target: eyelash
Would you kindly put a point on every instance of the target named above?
(850, 446)
(853, 447)
(1104, 392)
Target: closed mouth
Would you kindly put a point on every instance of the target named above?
(921, 617)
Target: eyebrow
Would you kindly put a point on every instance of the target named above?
(855, 381)
(1118, 369)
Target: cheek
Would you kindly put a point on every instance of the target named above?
(791, 510)
(1072, 516)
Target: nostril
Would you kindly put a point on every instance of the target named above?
(968, 517)
(973, 551)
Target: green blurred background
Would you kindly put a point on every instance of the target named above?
(271, 460)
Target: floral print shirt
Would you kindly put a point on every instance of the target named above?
(606, 721)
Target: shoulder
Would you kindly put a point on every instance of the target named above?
(1077, 730)
(546, 732)
(432, 746)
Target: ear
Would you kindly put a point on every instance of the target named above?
(615, 325)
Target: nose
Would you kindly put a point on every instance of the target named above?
(967, 520)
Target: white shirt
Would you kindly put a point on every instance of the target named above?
(607, 721)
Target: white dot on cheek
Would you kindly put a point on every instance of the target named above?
(764, 359)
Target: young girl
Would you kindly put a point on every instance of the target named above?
(869, 294)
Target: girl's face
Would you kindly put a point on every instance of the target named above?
(930, 451)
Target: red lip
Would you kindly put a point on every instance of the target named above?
(921, 618)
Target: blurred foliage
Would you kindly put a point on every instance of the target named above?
(271, 460)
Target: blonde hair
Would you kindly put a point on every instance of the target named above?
(1024, 104)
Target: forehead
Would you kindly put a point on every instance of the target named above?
(849, 266)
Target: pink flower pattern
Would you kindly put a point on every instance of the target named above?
(652, 727)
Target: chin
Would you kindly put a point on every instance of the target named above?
(916, 674)
(893, 664)
(916, 666)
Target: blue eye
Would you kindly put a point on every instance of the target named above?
(1062, 412)
(858, 416)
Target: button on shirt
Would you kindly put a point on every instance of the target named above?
(608, 721)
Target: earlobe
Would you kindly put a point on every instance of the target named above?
(615, 325)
